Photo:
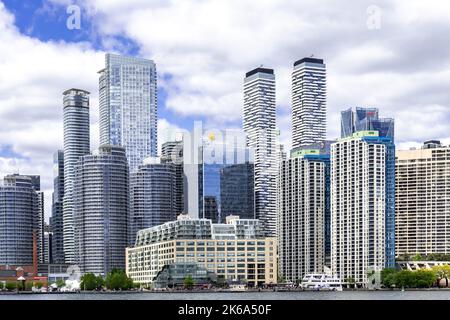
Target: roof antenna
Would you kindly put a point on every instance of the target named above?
(311, 56)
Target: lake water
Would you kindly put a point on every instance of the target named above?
(310, 295)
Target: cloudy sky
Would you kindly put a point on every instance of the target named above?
(394, 55)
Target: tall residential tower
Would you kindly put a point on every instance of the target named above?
(101, 210)
(76, 145)
(128, 107)
(308, 102)
(362, 207)
(259, 124)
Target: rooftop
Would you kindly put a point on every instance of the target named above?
(308, 59)
(259, 70)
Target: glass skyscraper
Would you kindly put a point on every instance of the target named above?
(237, 183)
(57, 207)
(154, 195)
(128, 107)
(365, 119)
(221, 183)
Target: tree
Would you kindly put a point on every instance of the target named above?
(424, 278)
(405, 279)
(10, 286)
(418, 257)
(90, 282)
(118, 280)
(188, 282)
(388, 277)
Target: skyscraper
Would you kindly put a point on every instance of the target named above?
(101, 210)
(237, 190)
(154, 198)
(19, 220)
(205, 177)
(422, 200)
(362, 207)
(259, 123)
(57, 208)
(40, 237)
(172, 152)
(363, 119)
(308, 102)
(302, 214)
(76, 145)
(368, 119)
(128, 107)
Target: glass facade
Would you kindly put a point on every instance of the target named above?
(154, 196)
(128, 107)
(364, 119)
(19, 219)
(57, 207)
(237, 190)
(219, 178)
(390, 197)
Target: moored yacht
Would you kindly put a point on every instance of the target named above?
(321, 282)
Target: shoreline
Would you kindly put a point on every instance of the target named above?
(219, 291)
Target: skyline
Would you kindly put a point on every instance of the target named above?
(359, 74)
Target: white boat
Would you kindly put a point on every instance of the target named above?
(324, 282)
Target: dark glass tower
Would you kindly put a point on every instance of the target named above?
(364, 119)
(154, 196)
(57, 207)
(237, 194)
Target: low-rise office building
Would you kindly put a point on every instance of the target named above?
(236, 250)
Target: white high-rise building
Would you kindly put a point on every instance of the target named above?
(308, 102)
(358, 206)
(259, 124)
(128, 107)
(302, 205)
(76, 145)
(422, 200)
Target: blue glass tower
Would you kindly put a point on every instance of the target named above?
(390, 196)
(128, 107)
(363, 119)
(221, 183)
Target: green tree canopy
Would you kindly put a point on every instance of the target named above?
(90, 282)
(188, 282)
(118, 280)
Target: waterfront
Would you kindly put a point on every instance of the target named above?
(310, 295)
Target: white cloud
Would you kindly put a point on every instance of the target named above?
(168, 132)
(203, 49)
(33, 76)
(207, 46)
